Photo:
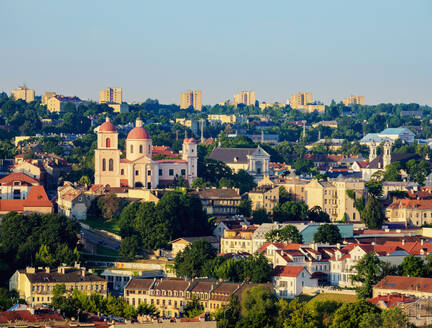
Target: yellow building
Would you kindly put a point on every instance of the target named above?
(238, 240)
(119, 108)
(36, 286)
(354, 100)
(24, 93)
(222, 118)
(110, 95)
(312, 108)
(245, 97)
(56, 104)
(300, 100)
(266, 197)
(333, 199)
(47, 96)
(413, 212)
(191, 98)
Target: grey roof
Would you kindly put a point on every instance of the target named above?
(234, 155)
(377, 163)
(73, 275)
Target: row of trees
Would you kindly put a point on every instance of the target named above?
(199, 260)
(260, 308)
(36, 240)
(144, 225)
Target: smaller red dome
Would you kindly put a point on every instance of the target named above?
(107, 126)
(138, 133)
(189, 140)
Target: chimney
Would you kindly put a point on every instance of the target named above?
(421, 241)
(48, 270)
(30, 270)
(403, 241)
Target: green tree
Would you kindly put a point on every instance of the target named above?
(85, 180)
(369, 270)
(147, 309)
(350, 315)
(193, 308)
(44, 257)
(316, 214)
(200, 183)
(245, 207)
(392, 172)
(394, 318)
(373, 215)
(260, 216)
(412, 266)
(328, 233)
(130, 246)
(190, 262)
(228, 315)
(290, 211)
(287, 234)
(258, 308)
(284, 195)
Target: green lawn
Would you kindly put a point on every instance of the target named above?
(343, 298)
(111, 226)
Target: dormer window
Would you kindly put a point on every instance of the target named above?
(17, 183)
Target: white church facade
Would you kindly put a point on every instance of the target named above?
(137, 168)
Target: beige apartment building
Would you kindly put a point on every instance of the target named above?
(238, 240)
(36, 285)
(413, 212)
(24, 93)
(354, 100)
(56, 104)
(245, 97)
(47, 96)
(332, 197)
(110, 95)
(300, 100)
(223, 118)
(266, 197)
(191, 98)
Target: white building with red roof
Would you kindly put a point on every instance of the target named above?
(138, 169)
(392, 252)
(289, 281)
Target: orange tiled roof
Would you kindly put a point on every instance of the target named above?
(421, 204)
(287, 270)
(17, 176)
(406, 284)
(390, 301)
(37, 197)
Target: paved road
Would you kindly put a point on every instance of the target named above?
(100, 240)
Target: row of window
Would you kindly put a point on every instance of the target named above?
(110, 165)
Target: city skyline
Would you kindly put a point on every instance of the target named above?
(143, 48)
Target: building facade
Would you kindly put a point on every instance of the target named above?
(56, 104)
(354, 100)
(191, 98)
(23, 93)
(300, 100)
(111, 95)
(245, 97)
(138, 169)
(36, 286)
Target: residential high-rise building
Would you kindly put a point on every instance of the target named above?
(245, 97)
(111, 95)
(354, 100)
(24, 93)
(300, 100)
(47, 96)
(191, 98)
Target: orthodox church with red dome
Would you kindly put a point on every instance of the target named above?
(137, 168)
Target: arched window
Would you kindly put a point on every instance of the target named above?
(149, 149)
(104, 165)
(131, 148)
(122, 171)
(141, 149)
(111, 165)
(108, 142)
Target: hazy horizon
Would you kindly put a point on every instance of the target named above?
(377, 49)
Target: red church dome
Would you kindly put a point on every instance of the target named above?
(138, 132)
(107, 126)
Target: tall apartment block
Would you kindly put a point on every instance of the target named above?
(245, 97)
(301, 99)
(191, 98)
(111, 95)
(23, 93)
(354, 100)
(47, 96)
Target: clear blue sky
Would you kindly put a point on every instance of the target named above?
(381, 49)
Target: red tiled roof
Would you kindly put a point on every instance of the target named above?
(287, 271)
(390, 301)
(171, 161)
(37, 197)
(17, 176)
(362, 164)
(421, 204)
(27, 316)
(406, 284)
(138, 133)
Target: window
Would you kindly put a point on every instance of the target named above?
(108, 142)
(183, 172)
(171, 172)
(136, 172)
(111, 164)
(131, 149)
(140, 149)
(160, 172)
(104, 164)
(149, 172)
(122, 172)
